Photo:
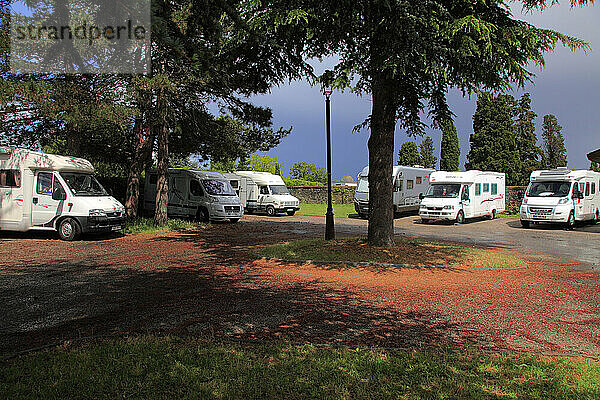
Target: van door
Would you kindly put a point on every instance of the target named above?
(263, 196)
(11, 198)
(578, 191)
(465, 201)
(196, 194)
(44, 209)
(177, 196)
(398, 191)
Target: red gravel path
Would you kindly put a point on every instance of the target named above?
(206, 284)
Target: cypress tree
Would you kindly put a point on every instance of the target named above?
(529, 153)
(450, 148)
(493, 142)
(554, 143)
(409, 154)
(427, 158)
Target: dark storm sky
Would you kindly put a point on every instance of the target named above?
(568, 87)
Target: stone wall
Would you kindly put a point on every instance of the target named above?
(318, 194)
(345, 195)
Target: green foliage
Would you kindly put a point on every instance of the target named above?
(145, 226)
(264, 163)
(301, 182)
(223, 166)
(183, 162)
(594, 166)
(555, 153)
(428, 160)
(494, 142)
(408, 155)
(308, 172)
(529, 153)
(450, 147)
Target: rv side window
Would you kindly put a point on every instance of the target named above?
(593, 187)
(478, 189)
(264, 190)
(419, 180)
(587, 189)
(44, 183)
(196, 189)
(486, 187)
(494, 188)
(409, 184)
(10, 178)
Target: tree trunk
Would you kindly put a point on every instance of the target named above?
(142, 151)
(162, 183)
(381, 160)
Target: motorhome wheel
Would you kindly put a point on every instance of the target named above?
(525, 224)
(493, 214)
(202, 214)
(68, 229)
(460, 217)
(270, 211)
(424, 221)
(234, 220)
(290, 213)
(571, 220)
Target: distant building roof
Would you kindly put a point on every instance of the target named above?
(594, 156)
(347, 179)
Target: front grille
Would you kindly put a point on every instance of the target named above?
(289, 203)
(435, 208)
(540, 210)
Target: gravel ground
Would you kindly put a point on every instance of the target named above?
(206, 283)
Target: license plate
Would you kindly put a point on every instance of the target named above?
(290, 209)
(116, 228)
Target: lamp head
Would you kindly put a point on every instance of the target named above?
(327, 82)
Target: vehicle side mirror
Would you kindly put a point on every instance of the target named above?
(59, 194)
(580, 196)
(421, 196)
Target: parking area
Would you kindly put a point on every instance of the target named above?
(209, 283)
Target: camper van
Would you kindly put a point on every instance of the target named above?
(204, 195)
(456, 196)
(409, 183)
(49, 192)
(263, 191)
(561, 196)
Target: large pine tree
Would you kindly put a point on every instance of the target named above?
(555, 153)
(450, 148)
(494, 142)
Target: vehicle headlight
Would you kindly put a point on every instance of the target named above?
(448, 207)
(524, 201)
(564, 200)
(97, 213)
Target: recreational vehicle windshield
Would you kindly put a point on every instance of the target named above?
(456, 196)
(49, 192)
(409, 183)
(204, 195)
(561, 196)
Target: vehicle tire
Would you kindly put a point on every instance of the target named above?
(493, 215)
(68, 229)
(525, 224)
(290, 213)
(234, 220)
(271, 211)
(424, 221)
(202, 214)
(571, 221)
(596, 218)
(362, 216)
(460, 217)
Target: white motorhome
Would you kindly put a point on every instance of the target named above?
(561, 196)
(263, 191)
(204, 195)
(456, 196)
(50, 192)
(409, 183)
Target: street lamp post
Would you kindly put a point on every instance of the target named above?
(327, 91)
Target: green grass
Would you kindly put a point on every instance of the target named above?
(169, 368)
(406, 251)
(142, 226)
(339, 210)
(507, 215)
